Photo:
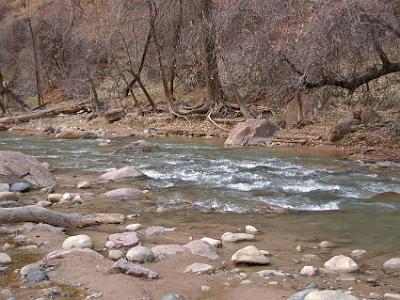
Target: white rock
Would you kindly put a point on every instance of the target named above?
(309, 271)
(341, 264)
(250, 255)
(213, 242)
(205, 288)
(54, 198)
(140, 254)
(77, 199)
(198, 268)
(237, 237)
(391, 296)
(358, 253)
(329, 295)
(133, 227)
(5, 259)
(66, 197)
(270, 273)
(393, 263)
(78, 241)
(115, 254)
(43, 203)
(110, 244)
(25, 270)
(4, 187)
(84, 185)
(251, 229)
(326, 244)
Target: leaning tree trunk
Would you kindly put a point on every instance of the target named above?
(36, 62)
(38, 214)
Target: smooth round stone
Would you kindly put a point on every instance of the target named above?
(309, 271)
(329, 295)
(251, 229)
(4, 187)
(25, 270)
(205, 288)
(110, 245)
(43, 203)
(198, 268)
(115, 254)
(250, 255)
(393, 263)
(54, 198)
(358, 253)
(84, 185)
(326, 245)
(77, 199)
(66, 197)
(237, 237)
(140, 254)
(341, 264)
(20, 187)
(213, 242)
(133, 227)
(78, 241)
(11, 196)
(172, 297)
(36, 276)
(5, 259)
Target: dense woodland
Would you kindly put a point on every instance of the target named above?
(235, 52)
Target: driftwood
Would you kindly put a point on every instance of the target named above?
(51, 112)
(38, 214)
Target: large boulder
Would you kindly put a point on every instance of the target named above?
(251, 131)
(19, 167)
(125, 173)
(114, 115)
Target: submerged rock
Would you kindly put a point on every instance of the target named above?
(250, 255)
(19, 167)
(202, 248)
(341, 264)
(237, 237)
(125, 239)
(133, 269)
(126, 173)
(125, 193)
(157, 230)
(165, 250)
(78, 241)
(136, 146)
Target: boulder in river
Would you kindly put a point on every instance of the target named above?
(19, 167)
(250, 255)
(125, 193)
(251, 131)
(125, 173)
(341, 264)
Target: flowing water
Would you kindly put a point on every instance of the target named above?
(331, 194)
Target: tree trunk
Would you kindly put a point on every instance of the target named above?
(5, 91)
(210, 65)
(177, 35)
(38, 214)
(36, 62)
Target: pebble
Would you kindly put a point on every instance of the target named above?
(326, 244)
(5, 259)
(44, 203)
(110, 245)
(309, 271)
(342, 264)
(133, 227)
(250, 255)
(77, 199)
(251, 229)
(84, 185)
(78, 241)
(213, 242)
(54, 198)
(246, 281)
(205, 288)
(230, 237)
(198, 268)
(269, 273)
(140, 254)
(358, 253)
(115, 254)
(392, 264)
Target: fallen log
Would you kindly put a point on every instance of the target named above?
(51, 112)
(38, 214)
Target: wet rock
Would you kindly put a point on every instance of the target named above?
(133, 269)
(202, 248)
(125, 194)
(36, 276)
(392, 264)
(230, 237)
(110, 244)
(54, 198)
(84, 185)
(133, 227)
(19, 167)
(137, 146)
(309, 271)
(9, 196)
(341, 264)
(115, 254)
(165, 250)
(5, 259)
(250, 255)
(326, 245)
(157, 230)
(25, 270)
(198, 268)
(251, 131)
(329, 295)
(78, 241)
(4, 187)
(213, 242)
(251, 229)
(125, 239)
(72, 134)
(113, 115)
(358, 253)
(126, 173)
(20, 187)
(140, 254)
(59, 254)
(270, 273)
